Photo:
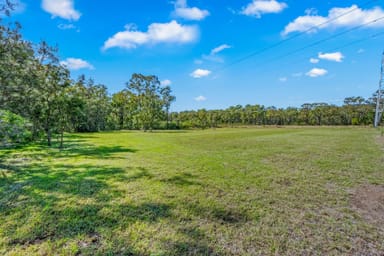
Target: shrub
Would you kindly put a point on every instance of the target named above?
(14, 129)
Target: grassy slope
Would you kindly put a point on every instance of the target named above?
(222, 192)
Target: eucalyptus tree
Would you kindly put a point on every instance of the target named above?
(202, 118)
(52, 79)
(123, 105)
(16, 65)
(318, 112)
(149, 100)
(167, 99)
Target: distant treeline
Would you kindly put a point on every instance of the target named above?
(354, 111)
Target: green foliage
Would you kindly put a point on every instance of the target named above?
(149, 100)
(356, 111)
(13, 129)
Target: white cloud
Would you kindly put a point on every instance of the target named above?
(316, 72)
(313, 60)
(361, 50)
(189, 13)
(283, 79)
(61, 8)
(199, 73)
(76, 64)
(166, 82)
(336, 19)
(171, 32)
(213, 54)
(200, 98)
(220, 48)
(334, 56)
(66, 26)
(259, 7)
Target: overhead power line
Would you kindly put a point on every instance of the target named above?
(324, 40)
(283, 41)
(373, 36)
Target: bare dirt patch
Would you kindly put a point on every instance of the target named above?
(368, 201)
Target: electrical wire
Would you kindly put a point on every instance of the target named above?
(316, 27)
(373, 36)
(323, 40)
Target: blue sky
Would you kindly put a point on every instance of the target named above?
(203, 49)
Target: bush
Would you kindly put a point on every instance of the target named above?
(14, 129)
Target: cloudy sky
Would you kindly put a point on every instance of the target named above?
(219, 53)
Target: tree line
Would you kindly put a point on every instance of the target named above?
(354, 111)
(39, 100)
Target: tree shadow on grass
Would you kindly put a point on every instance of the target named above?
(139, 174)
(40, 203)
(183, 179)
(91, 151)
(193, 242)
(46, 203)
(71, 149)
(220, 214)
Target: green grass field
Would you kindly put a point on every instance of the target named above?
(255, 191)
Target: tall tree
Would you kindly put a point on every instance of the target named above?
(167, 99)
(124, 109)
(52, 79)
(147, 91)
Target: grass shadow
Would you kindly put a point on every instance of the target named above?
(195, 242)
(140, 174)
(42, 203)
(90, 151)
(184, 179)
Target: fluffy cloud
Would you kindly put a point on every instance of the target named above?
(166, 82)
(313, 60)
(199, 73)
(189, 13)
(316, 72)
(259, 7)
(171, 32)
(355, 17)
(61, 8)
(335, 56)
(76, 64)
(200, 98)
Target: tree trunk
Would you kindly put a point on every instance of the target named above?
(49, 137)
(62, 139)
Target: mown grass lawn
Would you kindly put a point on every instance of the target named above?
(259, 191)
